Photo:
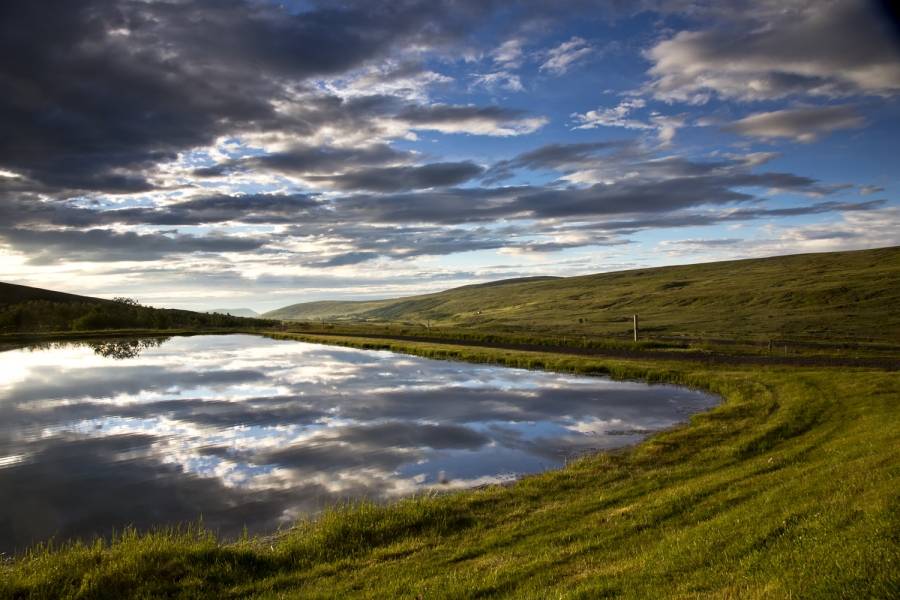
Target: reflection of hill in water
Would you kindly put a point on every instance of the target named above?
(114, 349)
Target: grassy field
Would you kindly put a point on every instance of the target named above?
(839, 296)
(787, 490)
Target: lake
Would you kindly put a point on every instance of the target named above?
(245, 430)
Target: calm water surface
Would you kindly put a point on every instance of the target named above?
(247, 430)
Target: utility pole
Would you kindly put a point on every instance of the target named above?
(635, 327)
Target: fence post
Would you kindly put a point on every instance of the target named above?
(635, 327)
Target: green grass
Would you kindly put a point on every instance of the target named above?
(837, 296)
(788, 489)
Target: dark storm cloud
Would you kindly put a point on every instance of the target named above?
(311, 160)
(103, 245)
(632, 196)
(394, 179)
(351, 258)
(94, 95)
(248, 208)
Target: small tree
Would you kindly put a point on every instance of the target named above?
(126, 301)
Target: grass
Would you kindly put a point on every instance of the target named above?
(788, 489)
(831, 297)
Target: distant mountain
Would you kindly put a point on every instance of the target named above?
(234, 312)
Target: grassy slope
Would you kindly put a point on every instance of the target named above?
(11, 293)
(829, 296)
(786, 490)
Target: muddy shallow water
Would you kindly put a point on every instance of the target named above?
(250, 431)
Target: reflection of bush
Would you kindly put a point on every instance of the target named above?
(115, 349)
(122, 349)
(41, 316)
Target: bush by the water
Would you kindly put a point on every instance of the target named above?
(43, 316)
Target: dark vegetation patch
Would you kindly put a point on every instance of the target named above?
(25, 310)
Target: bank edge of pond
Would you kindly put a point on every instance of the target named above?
(16, 341)
(661, 519)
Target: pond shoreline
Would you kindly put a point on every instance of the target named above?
(888, 364)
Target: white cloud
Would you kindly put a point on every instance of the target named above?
(620, 116)
(567, 55)
(613, 117)
(870, 189)
(509, 54)
(668, 125)
(830, 48)
(499, 80)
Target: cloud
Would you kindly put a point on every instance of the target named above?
(103, 245)
(620, 116)
(566, 158)
(509, 54)
(303, 160)
(803, 124)
(619, 177)
(499, 80)
(487, 120)
(870, 189)
(567, 55)
(394, 179)
(99, 97)
(613, 117)
(770, 50)
(696, 185)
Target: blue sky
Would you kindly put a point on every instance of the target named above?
(249, 154)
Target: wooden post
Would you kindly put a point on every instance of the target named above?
(635, 327)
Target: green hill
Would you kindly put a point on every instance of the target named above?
(11, 293)
(834, 295)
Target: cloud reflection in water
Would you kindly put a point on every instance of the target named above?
(246, 430)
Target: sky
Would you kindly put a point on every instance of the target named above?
(226, 154)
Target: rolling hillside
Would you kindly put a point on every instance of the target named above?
(834, 296)
(11, 293)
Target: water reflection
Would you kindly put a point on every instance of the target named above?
(253, 431)
(115, 349)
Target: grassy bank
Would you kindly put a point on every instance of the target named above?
(788, 489)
